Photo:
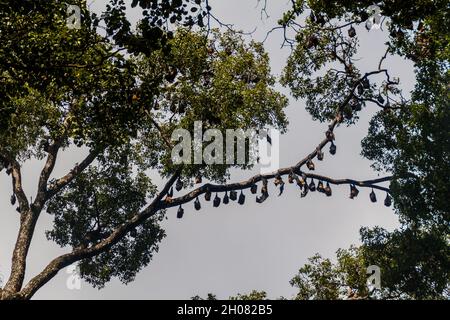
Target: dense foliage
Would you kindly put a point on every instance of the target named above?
(408, 138)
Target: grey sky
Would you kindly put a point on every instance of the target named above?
(234, 249)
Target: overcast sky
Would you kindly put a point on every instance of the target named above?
(235, 249)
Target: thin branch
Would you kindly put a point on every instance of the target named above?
(163, 135)
(263, 9)
(383, 58)
(64, 181)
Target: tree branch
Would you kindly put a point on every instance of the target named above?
(282, 172)
(162, 133)
(60, 183)
(83, 253)
(24, 236)
(45, 175)
(17, 185)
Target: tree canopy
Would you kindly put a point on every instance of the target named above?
(409, 138)
(116, 93)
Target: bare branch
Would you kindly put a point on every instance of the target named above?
(162, 133)
(383, 58)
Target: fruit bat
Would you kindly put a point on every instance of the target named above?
(179, 185)
(366, 83)
(353, 192)
(328, 191)
(262, 198)
(292, 177)
(310, 165)
(320, 19)
(388, 200)
(301, 181)
(281, 189)
(333, 149)
(169, 195)
(312, 41)
(170, 77)
(278, 180)
(304, 192)
(233, 195)
(351, 32)
(312, 186)
(197, 204)
(180, 212)
(373, 196)
(216, 201)
(241, 200)
(320, 155)
(9, 169)
(330, 135)
(208, 195)
(348, 112)
(254, 189)
(360, 90)
(226, 199)
(320, 187)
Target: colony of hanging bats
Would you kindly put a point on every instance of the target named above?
(301, 180)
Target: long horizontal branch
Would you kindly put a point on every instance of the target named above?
(364, 184)
(243, 185)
